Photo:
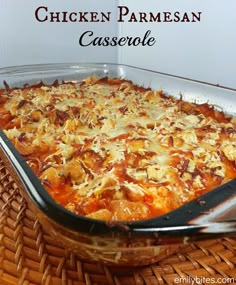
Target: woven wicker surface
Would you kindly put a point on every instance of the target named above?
(29, 256)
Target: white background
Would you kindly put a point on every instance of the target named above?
(24, 40)
(203, 51)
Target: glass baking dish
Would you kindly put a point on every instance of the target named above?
(212, 215)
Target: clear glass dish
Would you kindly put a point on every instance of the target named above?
(212, 215)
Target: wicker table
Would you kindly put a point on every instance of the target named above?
(29, 256)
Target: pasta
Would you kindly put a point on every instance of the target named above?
(111, 150)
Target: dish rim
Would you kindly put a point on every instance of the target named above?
(162, 225)
(14, 69)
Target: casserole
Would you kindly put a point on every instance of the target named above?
(118, 242)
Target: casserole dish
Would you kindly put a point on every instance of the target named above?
(123, 243)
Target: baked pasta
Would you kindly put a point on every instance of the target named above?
(111, 150)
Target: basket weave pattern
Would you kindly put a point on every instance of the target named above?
(29, 256)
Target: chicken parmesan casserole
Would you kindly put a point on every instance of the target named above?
(111, 150)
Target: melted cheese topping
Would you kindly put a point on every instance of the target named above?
(108, 149)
